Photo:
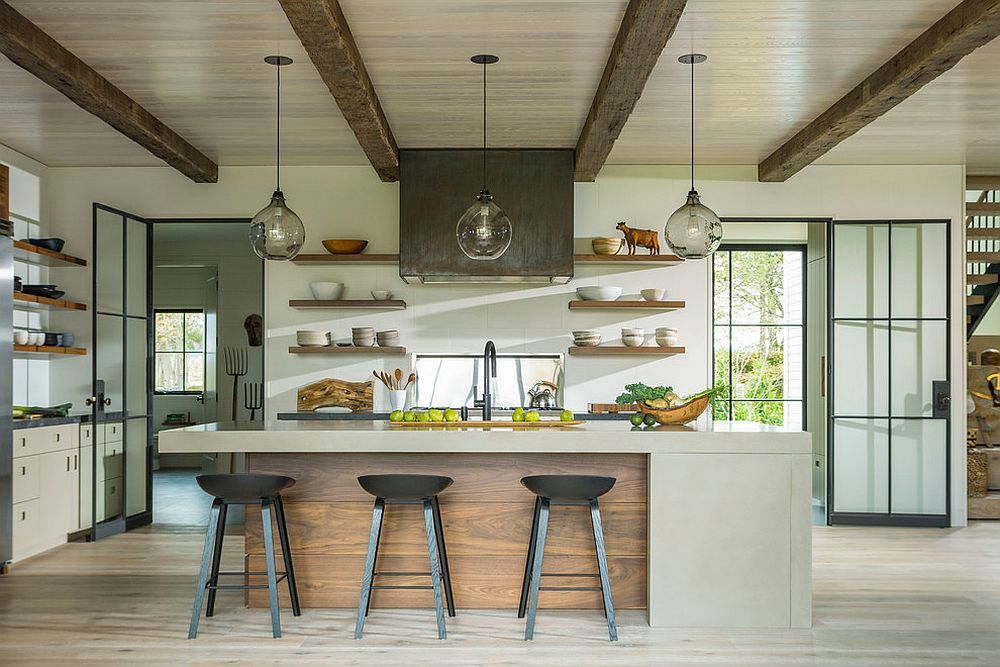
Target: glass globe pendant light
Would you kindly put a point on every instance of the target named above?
(693, 231)
(484, 230)
(276, 232)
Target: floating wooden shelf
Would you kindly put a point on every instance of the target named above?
(32, 254)
(384, 304)
(348, 349)
(24, 301)
(346, 259)
(648, 305)
(659, 260)
(649, 350)
(49, 349)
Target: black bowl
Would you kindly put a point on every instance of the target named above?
(53, 244)
(43, 290)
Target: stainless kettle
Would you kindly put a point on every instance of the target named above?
(542, 395)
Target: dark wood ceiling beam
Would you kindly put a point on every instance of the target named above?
(644, 31)
(27, 46)
(961, 31)
(323, 31)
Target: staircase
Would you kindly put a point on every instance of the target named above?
(982, 248)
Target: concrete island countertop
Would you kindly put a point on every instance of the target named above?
(595, 437)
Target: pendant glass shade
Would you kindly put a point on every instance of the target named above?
(276, 232)
(693, 231)
(484, 230)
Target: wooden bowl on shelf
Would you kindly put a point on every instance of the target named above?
(681, 414)
(345, 246)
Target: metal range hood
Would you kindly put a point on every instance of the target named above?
(533, 186)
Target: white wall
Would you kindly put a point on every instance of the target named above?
(350, 202)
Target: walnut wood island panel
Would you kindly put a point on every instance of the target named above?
(706, 526)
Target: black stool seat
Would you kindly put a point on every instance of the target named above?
(244, 488)
(568, 487)
(404, 487)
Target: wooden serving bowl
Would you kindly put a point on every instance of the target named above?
(344, 246)
(681, 414)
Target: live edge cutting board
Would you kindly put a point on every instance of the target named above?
(330, 392)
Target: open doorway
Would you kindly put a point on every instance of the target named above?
(208, 300)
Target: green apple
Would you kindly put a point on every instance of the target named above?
(517, 416)
(451, 415)
(436, 415)
(396, 416)
(409, 416)
(423, 417)
(532, 416)
(566, 416)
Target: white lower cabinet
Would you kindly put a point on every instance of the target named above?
(85, 491)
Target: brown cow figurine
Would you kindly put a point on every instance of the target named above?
(647, 238)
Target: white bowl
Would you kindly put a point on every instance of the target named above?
(633, 341)
(313, 338)
(639, 331)
(326, 291)
(381, 294)
(599, 293)
(652, 294)
(587, 342)
(21, 337)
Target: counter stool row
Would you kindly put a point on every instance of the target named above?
(423, 490)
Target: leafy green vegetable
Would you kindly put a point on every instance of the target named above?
(641, 392)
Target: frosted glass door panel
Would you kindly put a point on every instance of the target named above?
(861, 465)
(861, 368)
(109, 266)
(109, 353)
(135, 261)
(136, 454)
(919, 449)
(135, 364)
(918, 358)
(861, 288)
(919, 270)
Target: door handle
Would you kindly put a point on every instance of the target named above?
(941, 407)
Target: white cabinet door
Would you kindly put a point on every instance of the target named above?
(56, 501)
(86, 490)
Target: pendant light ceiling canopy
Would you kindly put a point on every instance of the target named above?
(484, 230)
(276, 232)
(693, 231)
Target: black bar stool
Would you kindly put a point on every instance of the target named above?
(244, 490)
(563, 490)
(408, 490)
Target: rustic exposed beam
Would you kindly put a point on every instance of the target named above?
(27, 46)
(644, 31)
(962, 30)
(981, 182)
(323, 31)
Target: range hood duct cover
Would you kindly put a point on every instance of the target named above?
(536, 188)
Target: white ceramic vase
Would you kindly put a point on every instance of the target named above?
(397, 399)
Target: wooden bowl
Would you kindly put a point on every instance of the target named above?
(681, 414)
(344, 246)
(607, 245)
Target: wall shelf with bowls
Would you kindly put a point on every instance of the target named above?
(648, 305)
(652, 260)
(33, 254)
(308, 260)
(24, 301)
(379, 304)
(348, 349)
(657, 260)
(49, 349)
(603, 350)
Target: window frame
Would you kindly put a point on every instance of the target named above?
(184, 353)
(729, 400)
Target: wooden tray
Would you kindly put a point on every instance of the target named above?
(490, 424)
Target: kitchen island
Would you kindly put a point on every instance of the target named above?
(708, 525)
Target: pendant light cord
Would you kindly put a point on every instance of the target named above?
(277, 141)
(484, 125)
(692, 123)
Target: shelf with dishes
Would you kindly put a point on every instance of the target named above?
(44, 252)
(49, 349)
(597, 297)
(23, 301)
(363, 341)
(347, 349)
(377, 304)
(642, 305)
(604, 350)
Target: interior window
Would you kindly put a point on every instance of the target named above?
(180, 351)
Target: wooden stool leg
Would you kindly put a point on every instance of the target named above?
(366, 580)
(272, 577)
(602, 564)
(286, 553)
(378, 543)
(449, 596)
(529, 560)
(206, 562)
(536, 567)
(432, 554)
(216, 560)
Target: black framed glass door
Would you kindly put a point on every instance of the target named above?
(889, 373)
(121, 453)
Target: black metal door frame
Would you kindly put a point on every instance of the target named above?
(888, 518)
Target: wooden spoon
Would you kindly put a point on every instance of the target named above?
(410, 380)
(399, 378)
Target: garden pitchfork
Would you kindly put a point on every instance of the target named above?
(236, 367)
(253, 397)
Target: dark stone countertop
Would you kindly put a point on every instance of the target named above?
(72, 418)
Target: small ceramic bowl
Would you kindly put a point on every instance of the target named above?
(381, 294)
(599, 293)
(652, 294)
(21, 337)
(323, 291)
(633, 341)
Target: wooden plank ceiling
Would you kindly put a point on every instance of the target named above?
(774, 66)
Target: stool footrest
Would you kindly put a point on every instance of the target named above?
(401, 574)
(569, 588)
(210, 586)
(250, 573)
(413, 588)
(236, 587)
(571, 574)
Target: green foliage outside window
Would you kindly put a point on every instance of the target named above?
(179, 347)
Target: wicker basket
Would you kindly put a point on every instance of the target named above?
(978, 467)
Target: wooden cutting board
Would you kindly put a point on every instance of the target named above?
(613, 408)
(483, 424)
(331, 392)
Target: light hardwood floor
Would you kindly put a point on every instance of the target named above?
(882, 597)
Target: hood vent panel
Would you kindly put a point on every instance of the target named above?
(533, 186)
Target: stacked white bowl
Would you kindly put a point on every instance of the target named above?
(310, 338)
(667, 337)
(363, 336)
(633, 337)
(388, 338)
(586, 338)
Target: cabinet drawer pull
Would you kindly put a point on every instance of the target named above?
(23, 516)
(67, 464)
(24, 471)
(76, 462)
(24, 442)
(58, 436)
